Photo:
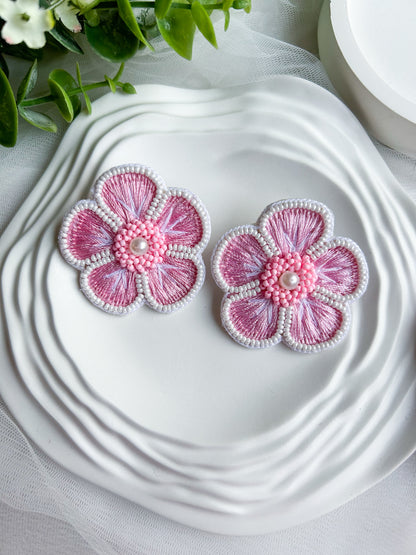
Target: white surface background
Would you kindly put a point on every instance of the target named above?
(44, 509)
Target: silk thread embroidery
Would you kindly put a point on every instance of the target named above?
(136, 241)
(288, 279)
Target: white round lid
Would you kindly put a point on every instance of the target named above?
(378, 41)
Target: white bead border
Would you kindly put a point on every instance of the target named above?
(201, 211)
(151, 301)
(92, 297)
(80, 206)
(219, 251)
(161, 188)
(163, 193)
(325, 242)
(239, 337)
(312, 205)
(96, 203)
(319, 249)
(318, 347)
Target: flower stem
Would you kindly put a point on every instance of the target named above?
(71, 92)
(39, 100)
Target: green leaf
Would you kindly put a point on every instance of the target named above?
(61, 34)
(4, 66)
(226, 5)
(8, 113)
(162, 8)
(62, 100)
(128, 88)
(110, 83)
(126, 13)
(84, 93)
(112, 39)
(29, 81)
(226, 20)
(203, 22)
(60, 82)
(242, 5)
(38, 119)
(178, 29)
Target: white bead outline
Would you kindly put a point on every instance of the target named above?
(363, 272)
(96, 203)
(312, 205)
(221, 246)
(345, 310)
(99, 303)
(325, 241)
(161, 188)
(200, 278)
(241, 338)
(202, 212)
(80, 206)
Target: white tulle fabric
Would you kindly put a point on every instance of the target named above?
(46, 510)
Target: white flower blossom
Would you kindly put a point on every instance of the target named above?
(26, 22)
(67, 13)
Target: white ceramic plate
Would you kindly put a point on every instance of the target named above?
(167, 410)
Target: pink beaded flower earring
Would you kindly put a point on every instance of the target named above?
(136, 241)
(288, 279)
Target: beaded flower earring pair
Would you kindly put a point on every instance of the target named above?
(137, 241)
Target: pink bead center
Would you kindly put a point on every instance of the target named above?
(139, 246)
(288, 278)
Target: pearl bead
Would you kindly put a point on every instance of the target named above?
(289, 280)
(139, 246)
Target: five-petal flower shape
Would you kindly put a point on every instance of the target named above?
(136, 241)
(288, 278)
(25, 21)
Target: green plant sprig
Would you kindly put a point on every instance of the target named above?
(115, 32)
(65, 92)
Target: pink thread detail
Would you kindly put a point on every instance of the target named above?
(254, 317)
(298, 296)
(153, 241)
(337, 270)
(128, 195)
(314, 321)
(180, 222)
(172, 280)
(113, 284)
(243, 260)
(150, 233)
(276, 267)
(295, 229)
(88, 235)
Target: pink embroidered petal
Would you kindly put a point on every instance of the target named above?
(112, 288)
(341, 270)
(296, 225)
(239, 258)
(316, 325)
(251, 320)
(127, 194)
(173, 282)
(84, 234)
(183, 221)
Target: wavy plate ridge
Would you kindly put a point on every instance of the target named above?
(243, 483)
